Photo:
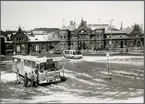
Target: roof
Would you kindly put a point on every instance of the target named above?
(32, 58)
(64, 28)
(36, 32)
(114, 32)
(72, 27)
(36, 58)
(128, 30)
(98, 26)
(43, 37)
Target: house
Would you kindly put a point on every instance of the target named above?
(26, 43)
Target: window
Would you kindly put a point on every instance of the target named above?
(37, 47)
(29, 63)
(66, 52)
(33, 64)
(41, 66)
(25, 63)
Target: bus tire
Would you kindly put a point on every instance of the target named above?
(25, 80)
(62, 78)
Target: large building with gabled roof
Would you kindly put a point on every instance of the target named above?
(82, 37)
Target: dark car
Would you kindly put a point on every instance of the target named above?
(57, 51)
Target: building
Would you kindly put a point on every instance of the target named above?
(83, 37)
(29, 43)
(6, 42)
(97, 37)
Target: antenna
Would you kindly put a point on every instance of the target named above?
(63, 22)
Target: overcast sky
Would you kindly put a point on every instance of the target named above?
(35, 14)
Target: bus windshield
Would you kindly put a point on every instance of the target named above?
(49, 66)
(78, 52)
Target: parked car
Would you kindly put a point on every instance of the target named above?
(73, 54)
(57, 52)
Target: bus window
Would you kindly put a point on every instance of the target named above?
(74, 53)
(41, 66)
(18, 60)
(29, 63)
(25, 63)
(70, 52)
(33, 65)
(78, 52)
(57, 66)
(66, 52)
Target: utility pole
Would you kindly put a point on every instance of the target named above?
(111, 36)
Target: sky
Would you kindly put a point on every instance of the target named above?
(50, 14)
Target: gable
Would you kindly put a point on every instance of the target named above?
(20, 37)
(83, 29)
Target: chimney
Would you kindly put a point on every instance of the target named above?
(71, 22)
(121, 26)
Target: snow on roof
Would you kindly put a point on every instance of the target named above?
(46, 37)
(36, 58)
(32, 58)
(98, 26)
(38, 38)
(114, 32)
(36, 32)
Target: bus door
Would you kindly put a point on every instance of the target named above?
(14, 64)
(22, 72)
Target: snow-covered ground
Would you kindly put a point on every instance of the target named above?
(66, 96)
(112, 59)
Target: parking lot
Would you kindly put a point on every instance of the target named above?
(85, 82)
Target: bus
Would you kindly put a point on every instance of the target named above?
(37, 70)
(73, 54)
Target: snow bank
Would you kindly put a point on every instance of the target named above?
(6, 62)
(112, 59)
(69, 98)
(7, 77)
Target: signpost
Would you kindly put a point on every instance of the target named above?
(107, 55)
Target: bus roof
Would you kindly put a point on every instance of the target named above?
(35, 58)
(72, 50)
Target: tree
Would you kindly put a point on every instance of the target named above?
(137, 32)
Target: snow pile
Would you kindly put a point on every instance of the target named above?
(69, 98)
(115, 59)
(7, 77)
(5, 62)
